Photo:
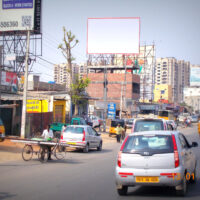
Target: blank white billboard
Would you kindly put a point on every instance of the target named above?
(18, 15)
(113, 35)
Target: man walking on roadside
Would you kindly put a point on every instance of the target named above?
(119, 131)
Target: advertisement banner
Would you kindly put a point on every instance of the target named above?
(111, 110)
(20, 15)
(37, 106)
(195, 76)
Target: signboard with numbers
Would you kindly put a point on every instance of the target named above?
(111, 111)
(20, 15)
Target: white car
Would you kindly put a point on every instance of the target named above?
(96, 121)
(82, 137)
(156, 158)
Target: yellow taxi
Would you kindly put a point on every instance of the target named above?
(2, 131)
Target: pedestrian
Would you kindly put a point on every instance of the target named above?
(48, 135)
(124, 132)
(63, 129)
(119, 131)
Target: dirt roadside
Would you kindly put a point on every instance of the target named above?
(10, 151)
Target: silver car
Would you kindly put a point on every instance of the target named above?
(156, 158)
(82, 137)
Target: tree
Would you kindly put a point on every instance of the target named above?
(78, 92)
(70, 42)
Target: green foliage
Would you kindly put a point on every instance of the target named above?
(78, 90)
(69, 43)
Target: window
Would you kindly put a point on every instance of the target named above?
(153, 144)
(183, 141)
(135, 88)
(148, 125)
(77, 130)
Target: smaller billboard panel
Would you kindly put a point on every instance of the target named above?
(36, 106)
(195, 76)
(111, 110)
(113, 35)
(9, 78)
(20, 15)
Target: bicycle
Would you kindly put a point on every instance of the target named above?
(58, 150)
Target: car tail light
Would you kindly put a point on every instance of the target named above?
(176, 157)
(61, 137)
(83, 135)
(119, 159)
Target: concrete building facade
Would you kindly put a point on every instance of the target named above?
(62, 75)
(122, 94)
(192, 98)
(163, 93)
(173, 72)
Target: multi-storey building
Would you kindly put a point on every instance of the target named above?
(175, 73)
(82, 70)
(62, 75)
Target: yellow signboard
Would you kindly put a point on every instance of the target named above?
(36, 106)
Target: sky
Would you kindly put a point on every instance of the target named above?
(172, 25)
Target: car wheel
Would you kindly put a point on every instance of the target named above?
(86, 149)
(99, 148)
(123, 191)
(183, 190)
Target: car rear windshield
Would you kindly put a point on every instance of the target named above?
(151, 144)
(144, 125)
(115, 123)
(76, 130)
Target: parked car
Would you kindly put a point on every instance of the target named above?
(2, 131)
(56, 127)
(149, 124)
(194, 119)
(96, 121)
(82, 137)
(156, 158)
(129, 122)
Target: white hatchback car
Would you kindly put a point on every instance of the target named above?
(156, 158)
(82, 137)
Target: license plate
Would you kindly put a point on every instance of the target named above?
(73, 143)
(147, 179)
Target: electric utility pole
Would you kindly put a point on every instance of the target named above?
(23, 121)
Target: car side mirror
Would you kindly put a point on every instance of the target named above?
(194, 144)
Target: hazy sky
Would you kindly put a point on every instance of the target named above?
(173, 25)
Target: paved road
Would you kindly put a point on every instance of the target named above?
(80, 176)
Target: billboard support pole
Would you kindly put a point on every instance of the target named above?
(23, 120)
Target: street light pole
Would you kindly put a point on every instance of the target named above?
(23, 121)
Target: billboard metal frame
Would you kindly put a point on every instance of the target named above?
(15, 44)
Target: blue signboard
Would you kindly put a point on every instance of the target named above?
(17, 4)
(111, 111)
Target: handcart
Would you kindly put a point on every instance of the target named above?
(40, 148)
